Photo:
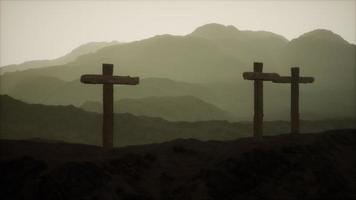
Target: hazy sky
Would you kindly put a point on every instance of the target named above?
(48, 29)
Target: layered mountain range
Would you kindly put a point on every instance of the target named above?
(179, 108)
(206, 64)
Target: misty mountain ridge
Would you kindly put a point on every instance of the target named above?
(244, 42)
(87, 48)
(178, 108)
(20, 120)
(208, 31)
(53, 91)
(322, 34)
(214, 30)
(215, 64)
(219, 31)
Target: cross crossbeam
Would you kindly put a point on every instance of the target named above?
(288, 79)
(260, 76)
(108, 79)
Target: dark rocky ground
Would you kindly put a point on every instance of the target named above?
(307, 166)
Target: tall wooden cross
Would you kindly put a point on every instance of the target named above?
(258, 77)
(294, 80)
(107, 79)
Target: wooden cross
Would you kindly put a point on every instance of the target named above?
(294, 80)
(107, 79)
(258, 77)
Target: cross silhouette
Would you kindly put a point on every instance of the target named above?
(108, 80)
(294, 80)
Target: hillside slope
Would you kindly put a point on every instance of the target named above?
(67, 123)
(19, 120)
(308, 166)
(179, 108)
(53, 91)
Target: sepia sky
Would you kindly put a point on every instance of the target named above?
(48, 29)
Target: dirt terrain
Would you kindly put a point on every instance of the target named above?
(306, 166)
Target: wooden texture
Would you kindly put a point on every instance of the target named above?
(108, 110)
(294, 114)
(258, 102)
(260, 76)
(288, 79)
(104, 79)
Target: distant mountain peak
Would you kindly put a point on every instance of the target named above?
(215, 30)
(218, 26)
(86, 48)
(219, 31)
(322, 34)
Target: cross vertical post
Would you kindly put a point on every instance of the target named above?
(294, 115)
(258, 102)
(108, 116)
